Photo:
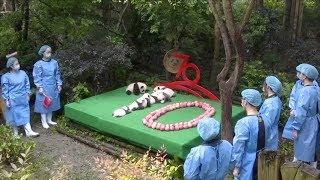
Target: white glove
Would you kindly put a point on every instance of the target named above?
(41, 90)
(8, 104)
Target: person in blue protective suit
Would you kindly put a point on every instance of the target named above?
(16, 95)
(47, 78)
(249, 137)
(287, 131)
(271, 110)
(305, 123)
(212, 159)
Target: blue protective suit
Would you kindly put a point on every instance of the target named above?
(245, 146)
(209, 161)
(287, 131)
(271, 110)
(16, 90)
(47, 75)
(306, 123)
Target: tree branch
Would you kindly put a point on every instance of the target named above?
(122, 13)
(247, 15)
(225, 39)
(227, 8)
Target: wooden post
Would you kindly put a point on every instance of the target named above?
(289, 170)
(307, 172)
(268, 165)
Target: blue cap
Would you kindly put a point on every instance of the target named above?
(310, 71)
(274, 83)
(11, 61)
(43, 49)
(208, 128)
(252, 96)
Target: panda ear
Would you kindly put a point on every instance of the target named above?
(128, 92)
(136, 89)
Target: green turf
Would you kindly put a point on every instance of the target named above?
(96, 113)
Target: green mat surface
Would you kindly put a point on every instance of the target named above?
(96, 113)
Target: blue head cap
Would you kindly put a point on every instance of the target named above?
(208, 128)
(274, 83)
(11, 61)
(310, 71)
(43, 49)
(252, 96)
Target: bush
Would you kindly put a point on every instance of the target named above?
(100, 63)
(81, 91)
(12, 148)
(286, 90)
(253, 76)
(14, 155)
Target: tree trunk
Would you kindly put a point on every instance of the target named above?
(259, 4)
(287, 12)
(231, 34)
(13, 5)
(216, 55)
(299, 24)
(26, 20)
(296, 16)
(226, 110)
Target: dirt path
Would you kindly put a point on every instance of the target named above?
(60, 157)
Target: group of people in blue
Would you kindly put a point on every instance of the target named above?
(16, 91)
(215, 158)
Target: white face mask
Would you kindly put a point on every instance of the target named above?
(16, 67)
(243, 103)
(47, 55)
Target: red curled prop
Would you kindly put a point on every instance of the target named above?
(188, 85)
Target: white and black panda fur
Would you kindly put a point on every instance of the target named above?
(136, 88)
(140, 103)
(121, 111)
(157, 88)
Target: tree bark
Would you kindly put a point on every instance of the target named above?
(216, 55)
(226, 113)
(287, 12)
(299, 24)
(259, 4)
(26, 20)
(13, 5)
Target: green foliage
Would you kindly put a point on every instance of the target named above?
(274, 4)
(149, 80)
(256, 30)
(14, 155)
(253, 76)
(175, 18)
(286, 90)
(11, 148)
(81, 91)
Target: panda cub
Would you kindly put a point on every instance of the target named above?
(136, 88)
(121, 111)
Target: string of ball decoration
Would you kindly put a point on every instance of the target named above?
(150, 119)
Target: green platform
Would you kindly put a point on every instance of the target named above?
(96, 113)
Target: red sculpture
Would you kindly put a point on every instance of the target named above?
(187, 85)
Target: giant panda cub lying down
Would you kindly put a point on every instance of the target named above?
(136, 88)
(160, 94)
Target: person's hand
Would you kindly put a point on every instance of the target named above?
(29, 97)
(295, 134)
(292, 112)
(40, 90)
(59, 88)
(236, 172)
(8, 104)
